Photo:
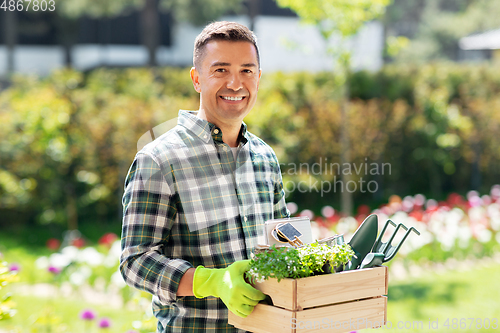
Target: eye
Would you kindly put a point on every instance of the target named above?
(247, 71)
(220, 70)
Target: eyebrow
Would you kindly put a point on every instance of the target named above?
(225, 64)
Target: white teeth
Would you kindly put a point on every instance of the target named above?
(229, 98)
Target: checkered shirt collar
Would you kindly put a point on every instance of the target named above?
(202, 128)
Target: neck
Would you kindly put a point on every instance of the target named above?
(230, 130)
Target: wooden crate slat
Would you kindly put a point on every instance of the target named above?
(341, 287)
(264, 319)
(345, 317)
(282, 293)
(333, 297)
(339, 318)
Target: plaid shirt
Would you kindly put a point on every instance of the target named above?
(188, 203)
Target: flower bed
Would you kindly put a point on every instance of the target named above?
(459, 228)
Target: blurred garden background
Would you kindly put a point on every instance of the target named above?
(418, 128)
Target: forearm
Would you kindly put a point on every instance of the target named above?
(186, 283)
(153, 272)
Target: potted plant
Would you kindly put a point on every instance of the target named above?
(308, 260)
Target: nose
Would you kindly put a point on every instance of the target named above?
(234, 82)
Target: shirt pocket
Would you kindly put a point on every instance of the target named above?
(208, 201)
(257, 198)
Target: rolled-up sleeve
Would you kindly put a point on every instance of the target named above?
(149, 210)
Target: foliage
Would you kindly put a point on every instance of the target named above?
(7, 276)
(315, 256)
(343, 16)
(284, 262)
(206, 10)
(435, 122)
(434, 27)
(67, 140)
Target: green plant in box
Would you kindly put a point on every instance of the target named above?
(308, 260)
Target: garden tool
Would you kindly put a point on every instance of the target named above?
(383, 252)
(333, 240)
(362, 241)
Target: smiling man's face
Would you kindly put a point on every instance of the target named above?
(227, 80)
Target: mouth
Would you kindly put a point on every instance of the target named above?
(233, 98)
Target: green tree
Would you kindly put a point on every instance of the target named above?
(343, 18)
(67, 141)
(434, 27)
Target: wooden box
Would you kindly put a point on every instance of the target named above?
(340, 302)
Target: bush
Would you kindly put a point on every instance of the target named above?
(67, 140)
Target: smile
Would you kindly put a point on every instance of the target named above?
(232, 98)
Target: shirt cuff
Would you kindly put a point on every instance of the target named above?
(169, 283)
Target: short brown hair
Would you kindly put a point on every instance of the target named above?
(223, 30)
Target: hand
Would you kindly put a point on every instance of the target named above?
(229, 285)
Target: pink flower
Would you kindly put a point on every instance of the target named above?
(104, 323)
(14, 267)
(87, 314)
(54, 270)
(307, 213)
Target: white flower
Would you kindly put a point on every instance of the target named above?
(110, 261)
(464, 235)
(117, 280)
(42, 263)
(116, 249)
(91, 257)
(77, 278)
(59, 260)
(484, 235)
(80, 276)
(71, 252)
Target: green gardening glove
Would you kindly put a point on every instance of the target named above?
(229, 285)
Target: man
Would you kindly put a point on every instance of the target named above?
(196, 198)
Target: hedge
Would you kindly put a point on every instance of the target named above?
(67, 140)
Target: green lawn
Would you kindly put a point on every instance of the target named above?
(435, 299)
(56, 314)
(448, 298)
(63, 315)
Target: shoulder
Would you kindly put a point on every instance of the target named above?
(166, 145)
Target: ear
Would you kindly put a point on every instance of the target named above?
(258, 81)
(195, 77)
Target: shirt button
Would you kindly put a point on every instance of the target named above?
(245, 218)
(216, 131)
(225, 148)
(206, 136)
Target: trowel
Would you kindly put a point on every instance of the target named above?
(362, 241)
